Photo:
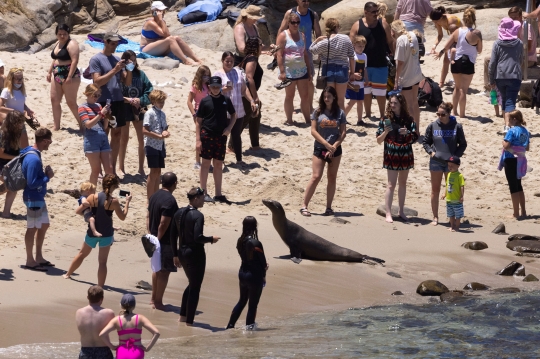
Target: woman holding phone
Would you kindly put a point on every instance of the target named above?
(398, 132)
(329, 128)
(156, 40)
(103, 206)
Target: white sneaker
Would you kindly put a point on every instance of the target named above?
(197, 166)
(506, 128)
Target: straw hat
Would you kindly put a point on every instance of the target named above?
(252, 12)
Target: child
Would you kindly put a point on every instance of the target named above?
(88, 188)
(199, 90)
(155, 131)
(495, 99)
(355, 90)
(455, 190)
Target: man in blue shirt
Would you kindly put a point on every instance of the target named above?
(34, 193)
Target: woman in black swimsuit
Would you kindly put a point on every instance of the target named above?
(103, 205)
(67, 77)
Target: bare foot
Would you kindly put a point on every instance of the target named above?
(449, 229)
(120, 174)
(141, 172)
(453, 230)
(513, 216)
(158, 306)
(389, 218)
(66, 276)
(404, 217)
(256, 148)
(435, 221)
(182, 319)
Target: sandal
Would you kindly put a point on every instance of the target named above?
(304, 211)
(33, 123)
(283, 84)
(328, 212)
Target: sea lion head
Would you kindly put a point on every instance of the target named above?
(274, 206)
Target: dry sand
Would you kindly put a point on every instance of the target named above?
(37, 307)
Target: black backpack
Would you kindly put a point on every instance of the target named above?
(311, 16)
(430, 92)
(536, 95)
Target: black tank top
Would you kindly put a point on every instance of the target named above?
(103, 217)
(376, 47)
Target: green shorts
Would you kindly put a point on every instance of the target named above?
(103, 241)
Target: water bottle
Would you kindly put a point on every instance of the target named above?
(493, 96)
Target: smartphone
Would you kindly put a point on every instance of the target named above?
(108, 102)
(154, 13)
(124, 193)
(229, 84)
(387, 122)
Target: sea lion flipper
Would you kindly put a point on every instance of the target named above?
(296, 260)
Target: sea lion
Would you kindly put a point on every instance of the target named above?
(306, 245)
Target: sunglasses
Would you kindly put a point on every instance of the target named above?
(294, 22)
(373, 12)
(441, 114)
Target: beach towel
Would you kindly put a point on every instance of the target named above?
(155, 261)
(200, 12)
(519, 152)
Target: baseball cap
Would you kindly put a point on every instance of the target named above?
(113, 36)
(127, 301)
(454, 159)
(158, 5)
(215, 81)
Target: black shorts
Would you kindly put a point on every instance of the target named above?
(95, 353)
(317, 152)
(117, 110)
(213, 146)
(410, 87)
(462, 66)
(306, 76)
(155, 158)
(167, 262)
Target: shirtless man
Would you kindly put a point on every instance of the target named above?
(90, 321)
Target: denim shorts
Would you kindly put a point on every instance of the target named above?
(509, 90)
(95, 142)
(336, 73)
(437, 166)
(411, 26)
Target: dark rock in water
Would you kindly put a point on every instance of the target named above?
(500, 229)
(476, 286)
(524, 245)
(528, 237)
(451, 296)
(339, 220)
(381, 211)
(397, 292)
(475, 246)
(530, 278)
(143, 285)
(431, 287)
(506, 290)
(394, 274)
(514, 268)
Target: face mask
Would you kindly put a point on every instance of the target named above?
(130, 66)
(17, 86)
(206, 79)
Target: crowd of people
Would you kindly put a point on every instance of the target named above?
(226, 101)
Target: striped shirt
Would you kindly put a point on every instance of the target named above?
(87, 112)
(341, 50)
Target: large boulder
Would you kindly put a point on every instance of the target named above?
(431, 287)
(317, 5)
(130, 7)
(349, 11)
(217, 35)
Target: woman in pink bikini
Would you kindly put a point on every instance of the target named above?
(129, 327)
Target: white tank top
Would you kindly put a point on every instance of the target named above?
(464, 48)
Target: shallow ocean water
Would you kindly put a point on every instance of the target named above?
(487, 326)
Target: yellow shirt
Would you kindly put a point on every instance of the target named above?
(454, 182)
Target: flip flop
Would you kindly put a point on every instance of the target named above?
(305, 212)
(46, 264)
(35, 268)
(283, 84)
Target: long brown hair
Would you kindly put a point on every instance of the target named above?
(198, 79)
(109, 181)
(334, 108)
(404, 110)
(11, 130)
(249, 228)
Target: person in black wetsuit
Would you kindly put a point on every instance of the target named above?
(187, 226)
(252, 274)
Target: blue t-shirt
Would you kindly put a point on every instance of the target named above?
(306, 26)
(517, 136)
(102, 64)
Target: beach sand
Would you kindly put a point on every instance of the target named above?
(37, 307)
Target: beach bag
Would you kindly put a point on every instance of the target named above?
(321, 82)
(536, 95)
(13, 175)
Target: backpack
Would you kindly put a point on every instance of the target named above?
(430, 92)
(536, 95)
(13, 175)
(311, 16)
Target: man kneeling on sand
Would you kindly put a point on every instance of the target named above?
(90, 321)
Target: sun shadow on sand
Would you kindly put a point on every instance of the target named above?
(269, 129)
(208, 327)
(480, 119)
(6, 274)
(109, 288)
(72, 131)
(136, 179)
(358, 133)
(53, 271)
(265, 153)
